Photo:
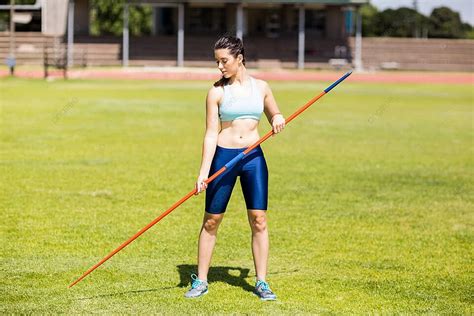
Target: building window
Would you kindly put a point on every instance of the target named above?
(208, 21)
(315, 22)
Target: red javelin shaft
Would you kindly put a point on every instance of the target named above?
(229, 165)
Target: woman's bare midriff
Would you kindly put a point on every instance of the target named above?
(238, 133)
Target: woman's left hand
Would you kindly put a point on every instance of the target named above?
(278, 123)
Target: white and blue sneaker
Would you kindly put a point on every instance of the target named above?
(198, 287)
(262, 290)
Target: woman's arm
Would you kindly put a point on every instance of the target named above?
(272, 111)
(210, 137)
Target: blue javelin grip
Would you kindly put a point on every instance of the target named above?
(337, 82)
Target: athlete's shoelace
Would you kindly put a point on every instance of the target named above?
(196, 282)
(263, 285)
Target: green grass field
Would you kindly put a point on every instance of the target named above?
(370, 207)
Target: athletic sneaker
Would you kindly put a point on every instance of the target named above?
(262, 290)
(198, 287)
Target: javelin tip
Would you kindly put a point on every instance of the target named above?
(347, 74)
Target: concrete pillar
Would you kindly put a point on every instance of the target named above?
(358, 44)
(301, 37)
(239, 21)
(180, 60)
(11, 55)
(70, 34)
(125, 35)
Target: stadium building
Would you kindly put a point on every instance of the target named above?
(277, 33)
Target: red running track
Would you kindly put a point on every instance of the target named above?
(276, 75)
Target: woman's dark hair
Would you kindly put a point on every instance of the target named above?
(235, 47)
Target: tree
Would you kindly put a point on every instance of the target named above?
(368, 13)
(468, 31)
(446, 23)
(107, 18)
(402, 22)
(406, 22)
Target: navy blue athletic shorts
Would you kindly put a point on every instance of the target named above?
(253, 172)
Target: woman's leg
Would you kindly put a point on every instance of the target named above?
(207, 241)
(260, 241)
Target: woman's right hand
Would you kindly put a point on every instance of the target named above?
(200, 184)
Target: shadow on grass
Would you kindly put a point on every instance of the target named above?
(126, 293)
(231, 275)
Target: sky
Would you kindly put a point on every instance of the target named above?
(464, 7)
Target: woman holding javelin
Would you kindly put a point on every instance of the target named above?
(234, 106)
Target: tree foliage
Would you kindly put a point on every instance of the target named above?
(368, 13)
(402, 22)
(406, 22)
(446, 23)
(107, 18)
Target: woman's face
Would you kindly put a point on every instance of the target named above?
(226, 62)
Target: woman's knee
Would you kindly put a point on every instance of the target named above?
(211, 223)
(258, 222)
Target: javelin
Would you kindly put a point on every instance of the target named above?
(227, 166)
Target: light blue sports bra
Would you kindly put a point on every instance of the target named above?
(234, 108)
